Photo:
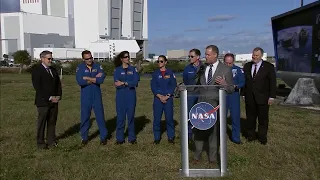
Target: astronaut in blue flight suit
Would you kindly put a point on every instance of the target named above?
(163, 84)
(89, 77)
(189, 78)
(233, 100)
(126, 80)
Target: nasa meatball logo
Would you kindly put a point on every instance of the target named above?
(203, 116)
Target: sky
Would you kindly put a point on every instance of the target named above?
(238, 26)
(235, 25)
(9, 6)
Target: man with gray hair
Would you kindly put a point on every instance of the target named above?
(46, 82)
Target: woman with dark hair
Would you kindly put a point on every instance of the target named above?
(126, 79)
(163, 84)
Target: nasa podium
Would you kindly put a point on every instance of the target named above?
(200, 121)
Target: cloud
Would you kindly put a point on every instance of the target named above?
(242, 41)
(173, 39)
(204, 29)
(217, 38)
(221, 18)
(220, 26)
(195, 29)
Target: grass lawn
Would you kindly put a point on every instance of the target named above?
(293, 151)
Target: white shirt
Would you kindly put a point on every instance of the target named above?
(51, 75)
(258, 67)
(214, 67)
(47, 68)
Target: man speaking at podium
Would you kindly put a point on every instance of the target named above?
(212, 72)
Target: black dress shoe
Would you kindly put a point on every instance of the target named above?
(119, 142)
(171, 140)
(156, 141)
(133, 142)
(251, 139)
(84, 142)
(263, 142)
(104, 142)
(53, 145)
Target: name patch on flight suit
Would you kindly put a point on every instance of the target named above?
(129, 72)
(190, 72)
(123, 73)
(94, 70)
(234, 72)
(167, 76)
(86, 70)
(160, 76)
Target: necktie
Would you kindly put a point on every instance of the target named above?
(255, 71)
(48, 70)
(209, 75)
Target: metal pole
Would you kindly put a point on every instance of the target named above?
(184, 132)
(223, 132)
(301, 3)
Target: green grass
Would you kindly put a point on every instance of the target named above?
(293, 151)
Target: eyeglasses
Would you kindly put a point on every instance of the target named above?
(126, 57)
(89, 58)
(160, 61)
(191, 56)
(50, 59)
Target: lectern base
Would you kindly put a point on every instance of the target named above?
(203, 173)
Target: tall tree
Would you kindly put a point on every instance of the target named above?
(22, 57)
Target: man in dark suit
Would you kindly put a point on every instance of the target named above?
(214, 73)
(46, 82)
(259, 92)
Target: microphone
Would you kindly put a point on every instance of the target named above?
(199, 74)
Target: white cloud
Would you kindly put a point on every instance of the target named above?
(221, 18)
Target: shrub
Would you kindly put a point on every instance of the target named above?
(108, 67)
(70, 68)
(56, 65)
(175, 66)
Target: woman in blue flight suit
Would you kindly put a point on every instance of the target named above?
(126, 80)
(163, 84)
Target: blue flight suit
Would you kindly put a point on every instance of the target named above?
(189, 74)
(163, 85)
(91, 98)
(233, 102)
(126, 101)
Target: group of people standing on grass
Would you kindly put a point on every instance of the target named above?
(256, 82)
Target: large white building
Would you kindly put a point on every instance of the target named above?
(35, 24)
(29, 24)
(248, 57)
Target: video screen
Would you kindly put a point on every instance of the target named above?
(294, 47)
(296, 38)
